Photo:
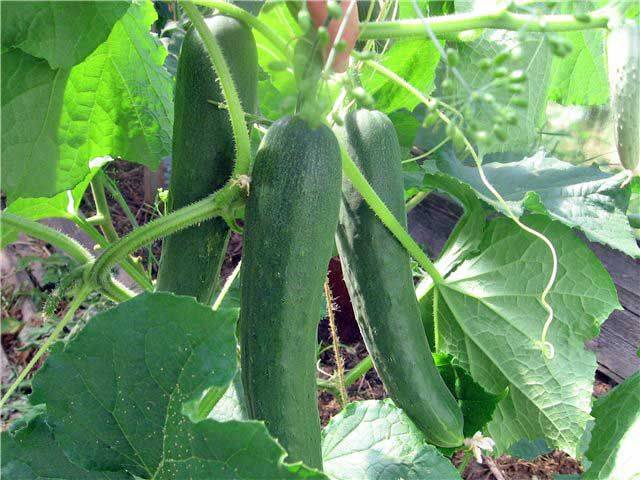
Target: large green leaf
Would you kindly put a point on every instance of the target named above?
(490, 319)
(63, 33)
(615, 437)
(376, 440)
(32, 453)
(116, 102)
(115, 395)
(415, 61)
(581, 197)
(128, 373)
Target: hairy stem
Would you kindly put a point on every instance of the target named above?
(215, 204)
(236, 113)
(73, 306)
(127, 264)
(499, 19)
(49, 235)
(111, 288)
(363, 187)
(342, 388)
(135, 270)
(414, 201)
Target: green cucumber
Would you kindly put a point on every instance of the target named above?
(291, 217)
(624, 83)
(203, 153)
(378, 275)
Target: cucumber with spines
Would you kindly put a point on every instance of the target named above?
(290, 221)
(204, 153)
(378, 275)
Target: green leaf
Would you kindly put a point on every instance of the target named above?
(63, 205)
(613, 450)
(580, 78)
(32, 453)
(476, 403)
(233, 450)
(116, 102)
(415, 61)
(375, 439)
(126, 377)
(490, 320)
(582, 197)
(63, 33)
(463, 241)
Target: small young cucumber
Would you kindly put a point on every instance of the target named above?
(203, 153)
(378, 275)
(624, 84)
(291, 217)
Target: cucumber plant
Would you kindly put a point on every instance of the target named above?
(304, 127)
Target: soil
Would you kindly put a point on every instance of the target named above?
(130, 179)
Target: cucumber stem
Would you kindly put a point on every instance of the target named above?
(229, 91)
(135, 270)
(363, 187)
(127, 263)
(342, 388)
(499, 19)
(48, 235)
(226, 286)
(414, 201)
(213, 205)
(116, 194)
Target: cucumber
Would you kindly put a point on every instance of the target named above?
(378, 275)
(624, 84)
(203, 154)
(291, 217)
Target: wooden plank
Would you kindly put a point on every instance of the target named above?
(431, 222)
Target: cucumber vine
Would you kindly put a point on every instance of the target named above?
(326, 97)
